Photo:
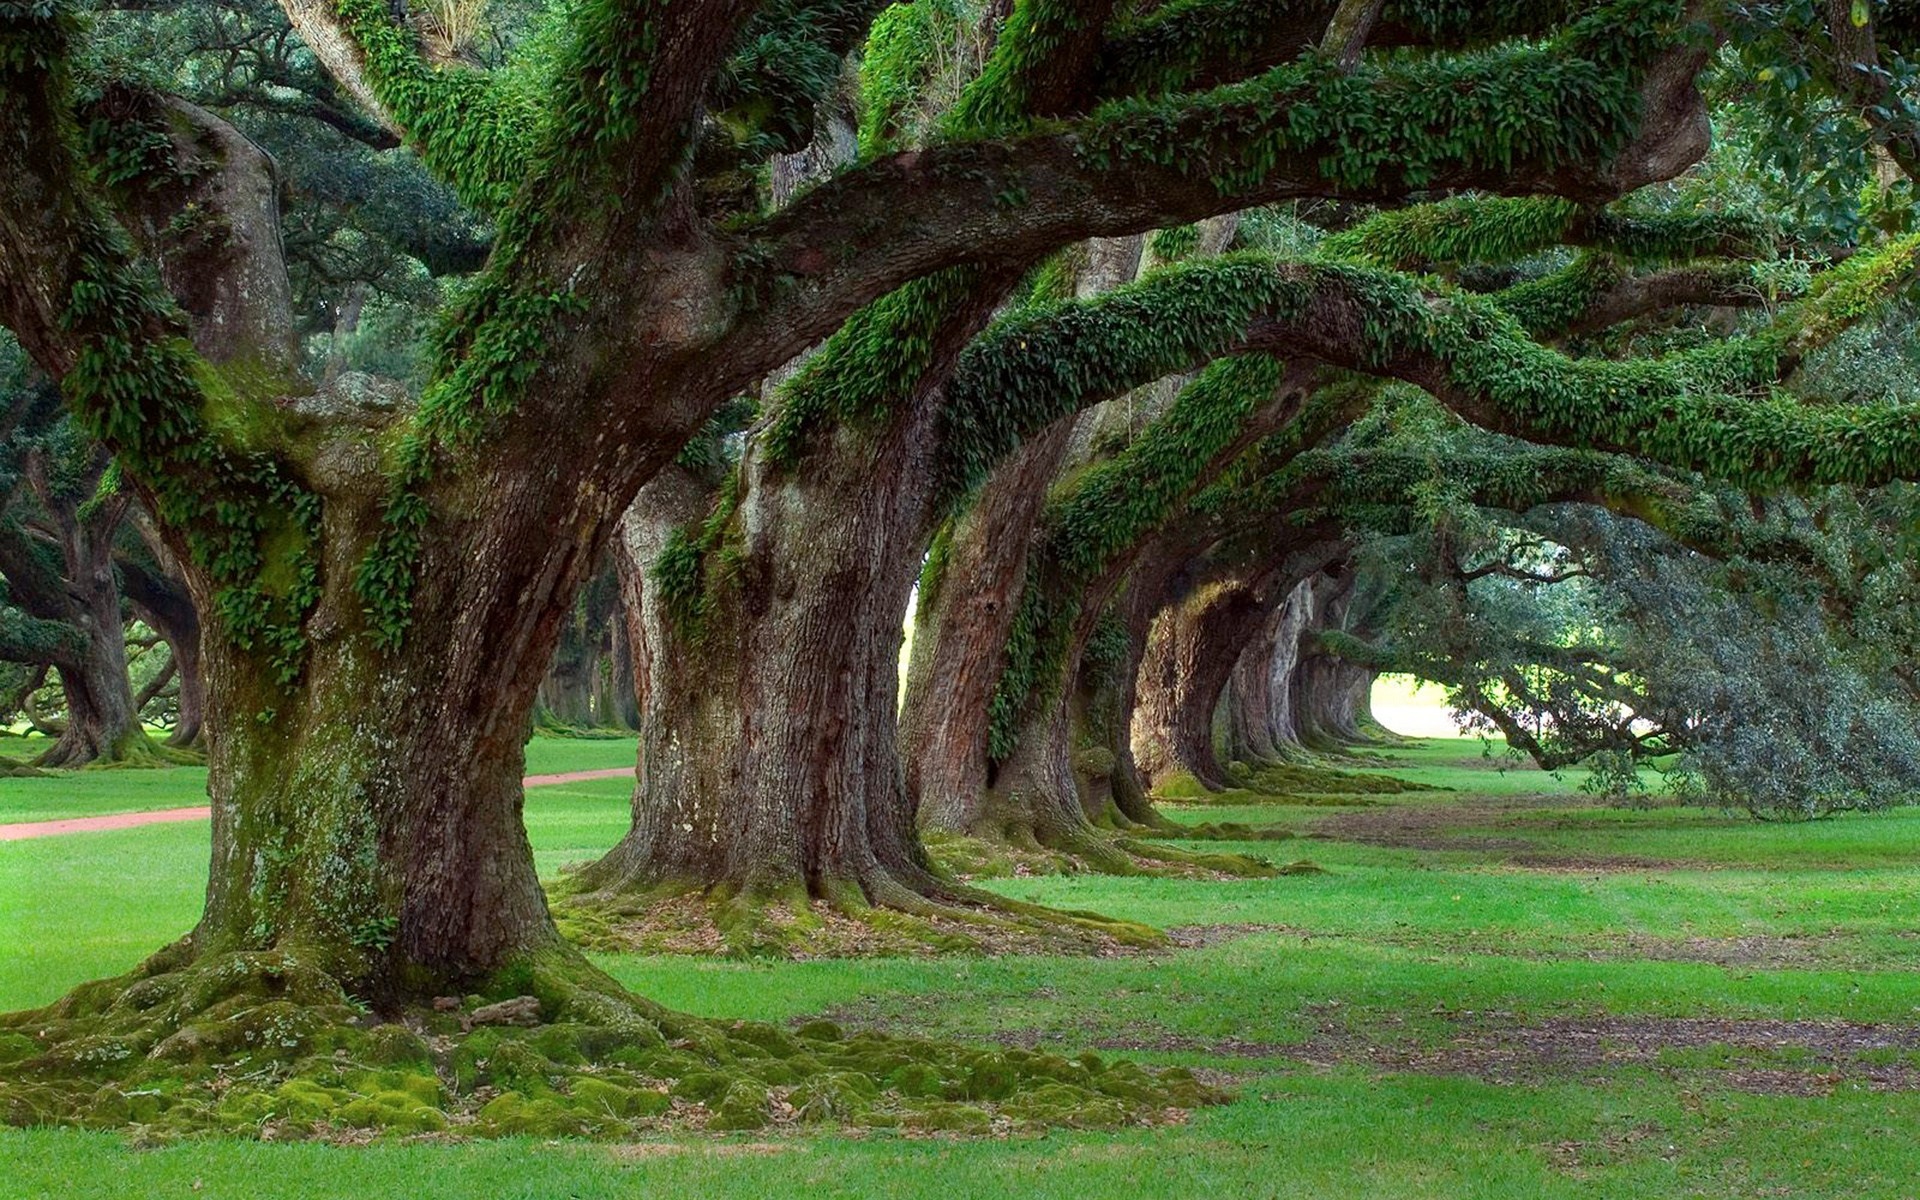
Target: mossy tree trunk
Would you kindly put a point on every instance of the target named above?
(1190, 654)
(1198, 644)
(769, 766)
(103, 720)
(968, 599)
(155, 587)
(368, 814)
(1067, 761)
(1259, 724)
(580, 691)
(1070, 783)
(61, 572)
(1323, 691)
(1068, 753)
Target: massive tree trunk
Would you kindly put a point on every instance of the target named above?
(1190, 654)
(1200, 642)
(974, 584)
(64, 573)
(157, 589)
(969, 596)
(103, 721)
(368, 812)
(579, 691)
(1070, 757)
(1259, 721)
(780, 689)
(768, 761)
(1324, 697)
(1071, 780)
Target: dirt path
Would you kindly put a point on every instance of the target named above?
(1757, 1055)
(20, 831)
(1476, 825)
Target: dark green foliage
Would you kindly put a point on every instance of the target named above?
(903, 49)
(138, 386)
(1404, 124)
(791, 54)
(1496, 230)
(1038, 364)
(1582, 638)
(871, 363)
(470, 129)
(1109, 508)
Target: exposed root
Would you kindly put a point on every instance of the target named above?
(1011, 849)
(849, 923)
(18, 768)
(138, 752)
(153, 754)
(1170, 860)
(1286, 783)
(1217, 831)
(263, 1044)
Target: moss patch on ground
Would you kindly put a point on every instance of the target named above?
(1287, 783)
(264, 1045)
(801, 928)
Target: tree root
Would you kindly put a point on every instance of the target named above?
(1216, 831)
(1286, 783)
(134, 753)
(264, 1044)
(1005, 849)
(876, 918)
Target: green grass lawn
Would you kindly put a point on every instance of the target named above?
(94, 791)
(1499, 991)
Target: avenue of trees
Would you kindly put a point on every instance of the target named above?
(385, 383)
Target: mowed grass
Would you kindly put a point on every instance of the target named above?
(1317, 994)
(95, 791)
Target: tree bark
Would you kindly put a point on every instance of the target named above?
(368, 814)
(964, 616)
(1322, 696)
(1190, 654)
(1260, 726)
(1065, 759)
(155, 586)
(65, 573)
(1248, 735)
(769, 765)
(103, 721)
(579, 691)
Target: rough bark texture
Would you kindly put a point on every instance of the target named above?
(372, 815)
(1191, 652)
(961, 624)
(63, 572)
(366, 811)
(157, 589)
(768, 761)
(1324, 697)
(1067, 756)
(585, 686)
(1259, 728)
(1030, 786)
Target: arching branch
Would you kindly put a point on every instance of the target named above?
(1131, 167)
(1707, 409)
